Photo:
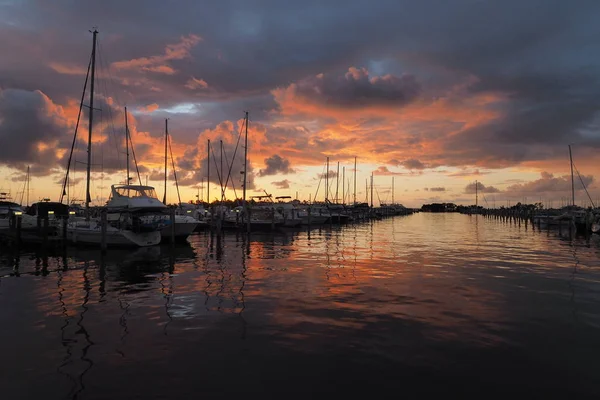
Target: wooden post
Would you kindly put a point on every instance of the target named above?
(103, 224)
(45, 231)
(64, 229)
(309, 215)
(273, 218)
(18, 228)
(172, 217)
(248, 209)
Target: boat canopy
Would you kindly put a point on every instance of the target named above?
(133, 191)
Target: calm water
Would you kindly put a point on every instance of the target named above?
(410, 306)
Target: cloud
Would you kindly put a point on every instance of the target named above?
(548, 183)
(468, 172)
(193, 164)
(383, 170)
(437, 189)
(276, 165)
(329, 175)
(194, 84)
(149, 108)
(31, 128)
(355, 89)
(413, 164)
(160, 63)
(481, 188)
(284, 184)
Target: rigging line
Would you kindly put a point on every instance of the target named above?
(63, 192)
(110, 116)
(319, 185)
(378, 198)
(233, 159)
(134, 159)
(583, 184)
(174, 171)
(216, 165)
(229, 174)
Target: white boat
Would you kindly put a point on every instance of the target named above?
(90, 232)
(198, 213)
(313, 216)
(125, 225)
(8, 209)
(184, 226)
(288, 210)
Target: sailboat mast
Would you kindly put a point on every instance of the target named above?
(166, 143)
(572, 180)
(371, 190)
(28, 186)
(343, 185)
(354, 180)
(393, 191)
(476, 194)
(127, 146)
(245, 164)
(90, 124)
(208, 174)
(327, 181)
(222, 188)
(337, 182)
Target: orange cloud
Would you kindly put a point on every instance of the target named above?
(67, 69)
(159, 63)
(149, 108)
(194, 84)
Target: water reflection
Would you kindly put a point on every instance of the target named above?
(418, 292)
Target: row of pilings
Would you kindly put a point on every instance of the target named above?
(547, 221)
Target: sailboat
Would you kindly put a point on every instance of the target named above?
(125, 226)
(184, 224)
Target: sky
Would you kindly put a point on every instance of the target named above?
(432, 95)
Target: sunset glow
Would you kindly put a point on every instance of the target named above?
(436, 112)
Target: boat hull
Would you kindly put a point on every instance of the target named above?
(182, 230)
(91, 234)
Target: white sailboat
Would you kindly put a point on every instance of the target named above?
(121, 230)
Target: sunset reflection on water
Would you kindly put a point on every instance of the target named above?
(448, 294)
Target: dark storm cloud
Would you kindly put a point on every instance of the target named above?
(541, 55)
(481, 188)
(276, 165)
(412, 164)
(30, 124)
(284, 184)
(356, 89)
(549, 183)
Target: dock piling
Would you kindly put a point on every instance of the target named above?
(103, 224)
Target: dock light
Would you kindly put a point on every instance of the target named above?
(18, 213)
(50, 212)
(237, 211)
(71, 212)
(189, 211)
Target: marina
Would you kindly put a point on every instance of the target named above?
(233, 199)
(423, 303)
